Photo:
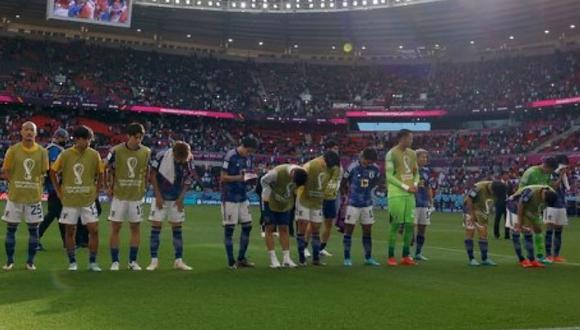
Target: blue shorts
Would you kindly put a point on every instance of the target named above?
(276, 218)
(329, 209)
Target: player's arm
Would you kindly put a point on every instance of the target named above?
(7, 165)
(100, 176)
(54, 171)
(267, 180)
(525, 179)
(185, 185)
(224, 177)
(110, 173)
(158, 196)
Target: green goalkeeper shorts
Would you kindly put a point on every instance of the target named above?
(401, 209)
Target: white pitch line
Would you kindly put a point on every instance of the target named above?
(568, 328)
(500, 256)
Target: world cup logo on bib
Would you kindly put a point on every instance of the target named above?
(78, 170)
(131, 165)
(28, 166)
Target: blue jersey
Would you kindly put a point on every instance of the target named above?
(361, 182)
(235, 164)
(422, 195)
(183, 177)
(53, 151)
(561, 191)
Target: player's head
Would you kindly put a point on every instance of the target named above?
(299, 176)
(499, 190)
(248, 146)
(331, 145)
(83, 136)
(28, 131)
(60, 136)
(550, 197)
(422, 157)
(368, 156)
(181, 152)
(563, 162)
(331, 159)
(135, 133)
(405, 138)
(550, 165)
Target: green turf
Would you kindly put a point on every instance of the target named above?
(443, 293)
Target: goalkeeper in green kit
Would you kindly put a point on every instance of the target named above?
(402, 180)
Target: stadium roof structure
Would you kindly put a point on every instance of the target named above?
(376, 28)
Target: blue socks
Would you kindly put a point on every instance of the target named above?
(301, 243)
(229, 243)
(315, 246)
(548, 241)
(516, 240)
(469, 248)
(483, 249)
(155, 241)
(368, 246)
(133, 251)
(32, 243)
(178, 242)
(419, 240)
(115, 254)
(529, 243)
(244, 240)
(10, 243)
(92, 257)
(347, 243)
(557, 241)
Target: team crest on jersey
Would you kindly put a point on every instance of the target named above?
(28, 165)
(372, 175)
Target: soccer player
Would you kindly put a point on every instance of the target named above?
(236, 170)
(278, 195)
(59, 139)
(555, 217)
(539, 175)
(25, 165)
(309, 203)
(81, 172)
(362, 177)
(127, 177)
(402, 179)
(329, 206)
(171, 177)
(477, 207)
(524, 214)
(424, 203)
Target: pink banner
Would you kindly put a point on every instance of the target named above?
(185, 112)
(397, 114)
(9, 99)
(553, 102)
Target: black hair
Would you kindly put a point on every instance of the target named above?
(551, 162)
(300, 177)
(330, 144)
(562, 160)
(403, 133)
(550, 198)
(370, 154)
(499, 189)
(83, 132)
(249, 142)
(331, 159)
(135, 129)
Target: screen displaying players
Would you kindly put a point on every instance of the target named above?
(106, 12)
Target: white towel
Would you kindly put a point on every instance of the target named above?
(167, 166)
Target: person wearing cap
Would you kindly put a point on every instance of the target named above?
(54, 149)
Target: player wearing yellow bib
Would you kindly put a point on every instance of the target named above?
(24, 167)
(127, 177)
(81, 171)
(402, 179)
(309, 203)
(278, 191)
(524, 209)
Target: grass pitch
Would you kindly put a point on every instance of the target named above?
(443, 293)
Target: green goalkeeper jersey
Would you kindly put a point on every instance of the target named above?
(402, 171)
(534, 176)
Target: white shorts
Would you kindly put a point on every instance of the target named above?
(15, 212)
(70, 215)
(364, 214)
(234, 213)
(556, 216)
(422, 216)
(304, 213)
(169, 212)
(130, 210)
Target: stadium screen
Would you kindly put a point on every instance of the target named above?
(105, 12)
(381, 127)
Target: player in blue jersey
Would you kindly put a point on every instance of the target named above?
(171, 177)
(361, 178)
(424, 201)
(555, 217)
(236, 171)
